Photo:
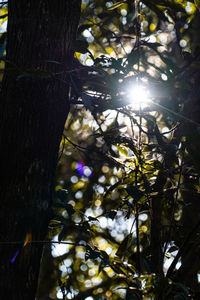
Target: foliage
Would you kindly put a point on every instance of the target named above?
(125, 209)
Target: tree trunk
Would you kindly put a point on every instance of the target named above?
(190, 230)
(33, 108)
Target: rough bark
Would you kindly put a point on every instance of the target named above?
(33, 110)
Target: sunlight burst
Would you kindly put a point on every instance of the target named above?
(139, 95)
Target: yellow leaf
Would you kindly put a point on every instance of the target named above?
(117, 4)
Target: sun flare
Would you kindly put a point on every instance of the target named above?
(139, 95)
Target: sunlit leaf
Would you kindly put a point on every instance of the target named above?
(116, 5)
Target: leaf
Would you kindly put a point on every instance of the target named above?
(134, 192)
(92, 219)
(172, 249)
(104, 15)
(169, 63)
(112, 187)
(3, 16)
(81, 46)
(104, 255)
(62, 234)
(82, 28)
(116, 5)
(62, 194)
(123, 150)
(124, 245)
(70, 210)
(157, 10)
(105, 262)
(116, 64)
(111, 214)
(133, 57)
(91, 254)
(153, 46)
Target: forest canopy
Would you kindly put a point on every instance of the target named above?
(125, 220)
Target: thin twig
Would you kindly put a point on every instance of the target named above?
(40, 242)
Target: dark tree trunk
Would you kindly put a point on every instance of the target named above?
(188, 237)
(33, 110)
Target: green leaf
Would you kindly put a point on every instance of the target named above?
(116, 5)
(123, 150)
